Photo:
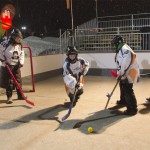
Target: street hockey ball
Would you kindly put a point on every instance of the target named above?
(90, 129)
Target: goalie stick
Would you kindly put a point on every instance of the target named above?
(18, 86)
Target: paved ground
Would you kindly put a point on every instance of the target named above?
(23, 127)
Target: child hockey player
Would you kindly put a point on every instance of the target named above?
(74, 69)
(128, 73)
(13, 56)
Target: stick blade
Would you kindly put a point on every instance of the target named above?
(68, 114)
(65, 117)
(29, 102)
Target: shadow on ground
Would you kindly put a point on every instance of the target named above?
(49, 113)
(99, 121)
(146, 108)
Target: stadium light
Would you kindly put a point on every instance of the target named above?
(23, 27)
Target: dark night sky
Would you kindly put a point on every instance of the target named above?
(52, 15)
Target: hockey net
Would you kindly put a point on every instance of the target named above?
(28, 84)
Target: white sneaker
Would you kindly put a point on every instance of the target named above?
(148, 100)
(9, 100)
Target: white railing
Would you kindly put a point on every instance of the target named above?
(102, 42)
(132, 20)
(134, 28)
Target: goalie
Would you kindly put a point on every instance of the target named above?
(74, 69)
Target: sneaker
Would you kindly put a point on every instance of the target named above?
(9, 101)
(67, 104)
(121, 102)
(130, 113)
(148, 99)
(74, 103)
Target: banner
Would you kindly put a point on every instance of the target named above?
(10, 8)
(68, 4)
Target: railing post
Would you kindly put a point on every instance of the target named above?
(118, 31)
(132, 22)
(60, 47)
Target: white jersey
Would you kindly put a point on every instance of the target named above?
(13, 54)
(127, 64)
(72, 70)
(75, 68)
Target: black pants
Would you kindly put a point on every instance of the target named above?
(77, 96)
(127, 94)
(121, 85)
(9, 84)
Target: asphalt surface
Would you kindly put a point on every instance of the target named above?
(39, 127)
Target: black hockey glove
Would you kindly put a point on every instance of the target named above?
(80, 74)
(119, 78)
(17, 66)
(75, 76)
(78, 85)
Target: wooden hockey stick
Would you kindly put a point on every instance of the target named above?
(113, 73)
(109, 95)
(18, 86)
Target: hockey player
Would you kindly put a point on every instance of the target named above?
(13, 55)
(74, 69)
(128, 73)
(3, 43)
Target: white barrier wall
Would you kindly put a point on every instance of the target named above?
(42, 64)
(106, 60)
(47, 63)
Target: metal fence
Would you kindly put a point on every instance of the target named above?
(102, 42)
(134, 29)
(134, 21)
(96, 42)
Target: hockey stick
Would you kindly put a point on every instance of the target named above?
(113, 73)
(110, 94)
(78, 124)
(18, 86)
(71, 104)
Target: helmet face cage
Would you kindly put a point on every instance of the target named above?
(116, 41)
(71, 51)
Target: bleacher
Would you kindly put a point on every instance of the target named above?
(135, 31)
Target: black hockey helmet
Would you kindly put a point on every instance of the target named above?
(71, 50)
(116, 41)
(15, 33)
